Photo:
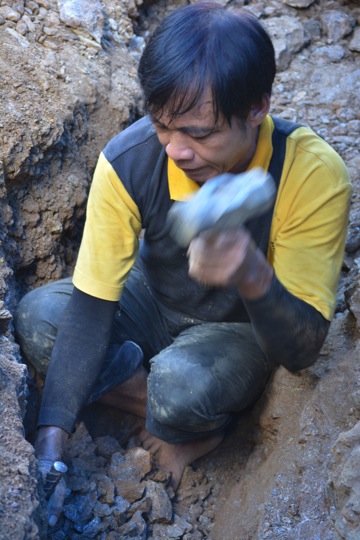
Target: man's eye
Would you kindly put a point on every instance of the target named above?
(159, 128)
(201, 137)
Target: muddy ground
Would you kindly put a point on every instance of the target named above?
(289, 469)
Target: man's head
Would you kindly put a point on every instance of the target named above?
(201, 47)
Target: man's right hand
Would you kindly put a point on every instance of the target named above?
(230, 259)
(49, 447)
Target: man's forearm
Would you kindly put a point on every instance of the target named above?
(289, 331)
(78, 354)
(50, 443)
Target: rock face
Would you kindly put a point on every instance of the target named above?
(290, 467)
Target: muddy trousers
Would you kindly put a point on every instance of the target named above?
(199, 372)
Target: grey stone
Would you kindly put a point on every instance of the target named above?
(10, 14)
(354, 44)
(19, 38)
(313, 28)
(175, 530)
(299, 3)
(131, 490)
(83, 14)
(140, 459)
(132, 466)
(161, 510)
(119, 510)
(135, 528)
(106, 446)
(288, 36)
(92, 528)
(332, 53)
(337, 24)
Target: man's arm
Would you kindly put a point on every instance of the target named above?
(80, 347)
(289, 331)
(81, 343)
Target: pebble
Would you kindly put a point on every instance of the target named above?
(332, 53)
(337, 24)
(10, 14)
(32, 6)
(29, 23)
(19, 38)
(354, 44)
(299, 3)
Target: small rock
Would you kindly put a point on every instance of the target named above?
(19, 38)
(143, 506)
(136, 527)
(92, 529)
(299, 3)
(10, 14)
(354, 44)
(337, 24)
(29, 23)
(106, 446)
(49, 31)
(131, 491)
(288, 36)
(352, 297)
(106, 489)
(332, 53)
(161, 509)
(120, 509)
(33, 6)
(22, 28)
(176, 530)
(86, 14)
(5, 318)
(102, 510)
(141, 459)
(313, 28)
(45, 4)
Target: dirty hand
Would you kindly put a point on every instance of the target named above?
(230, 259)
(49, 448)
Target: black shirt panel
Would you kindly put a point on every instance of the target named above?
(141, 165)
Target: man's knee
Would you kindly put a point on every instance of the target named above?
(36, 320)
(184, 395)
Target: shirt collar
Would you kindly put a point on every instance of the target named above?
(181, 187)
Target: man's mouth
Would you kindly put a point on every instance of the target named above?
(194, 174)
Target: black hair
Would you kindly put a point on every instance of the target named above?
(204, 46)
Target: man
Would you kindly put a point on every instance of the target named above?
(197, 332)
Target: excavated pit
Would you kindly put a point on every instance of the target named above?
(289, 468)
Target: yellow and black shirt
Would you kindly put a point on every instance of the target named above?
(135, 184)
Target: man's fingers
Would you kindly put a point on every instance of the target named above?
(56, 502)
(215, 258)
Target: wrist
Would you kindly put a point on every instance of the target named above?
(50, 443)
(256, 280)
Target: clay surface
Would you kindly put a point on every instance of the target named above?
(289, 469)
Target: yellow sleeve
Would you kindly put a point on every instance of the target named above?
(110, 241)
(310, 221)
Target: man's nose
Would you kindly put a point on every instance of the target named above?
(178, 147)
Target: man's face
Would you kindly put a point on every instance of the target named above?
(203, 147)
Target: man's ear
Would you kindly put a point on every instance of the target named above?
(258, 112)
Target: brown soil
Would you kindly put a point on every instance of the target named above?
(289, 468)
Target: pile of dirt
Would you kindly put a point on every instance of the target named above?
(289, 469)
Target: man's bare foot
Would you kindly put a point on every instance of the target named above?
(130, 396)
(175, 457)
